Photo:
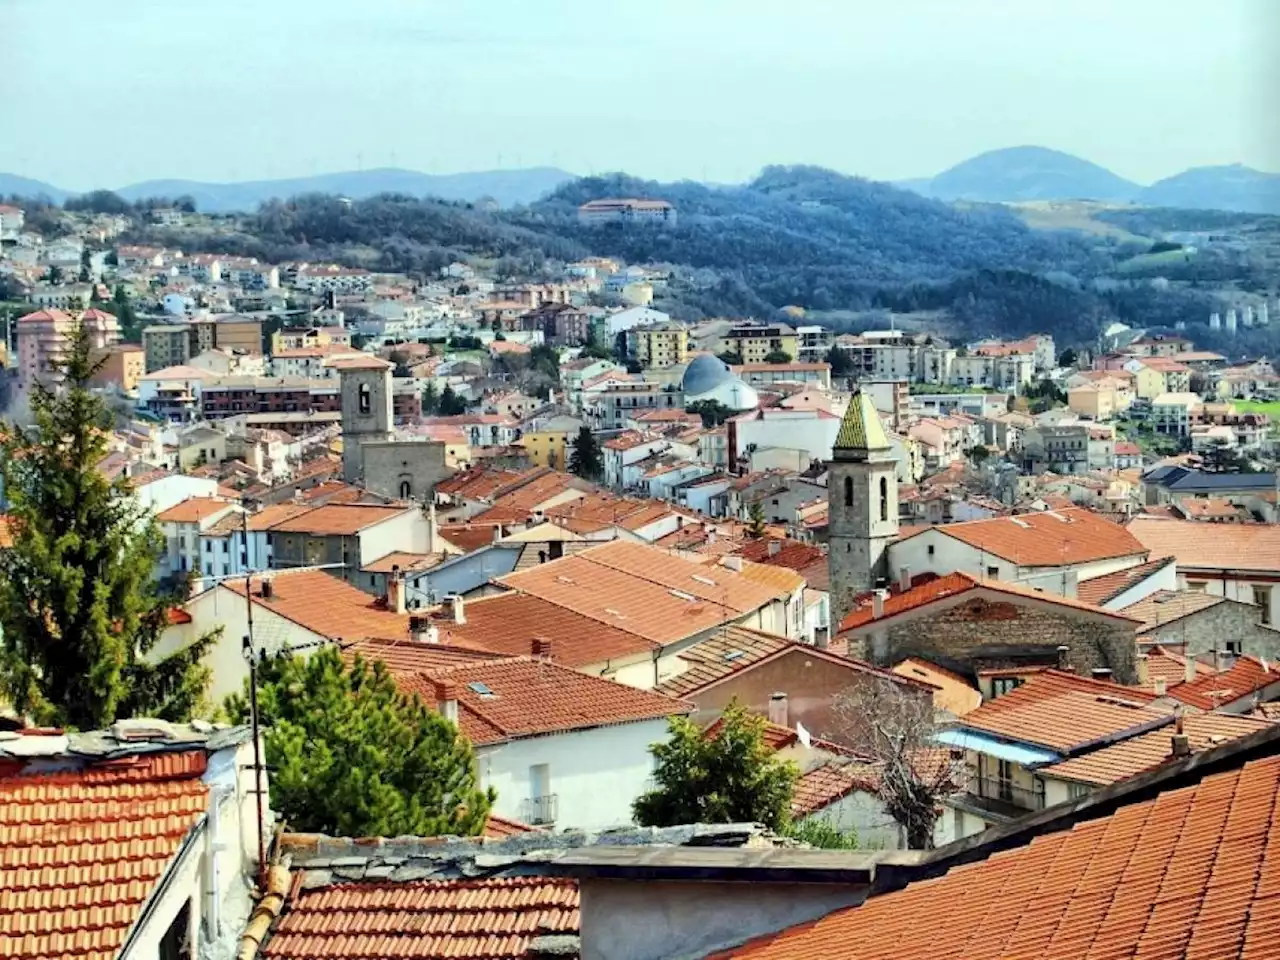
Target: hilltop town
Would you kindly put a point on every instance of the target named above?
(570, 524)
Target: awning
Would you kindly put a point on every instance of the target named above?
(964, 739)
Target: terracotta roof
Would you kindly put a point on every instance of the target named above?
(494, 919)
(405, 561)
(325, 605)
(1050, 538)
(1246, 676)
(192, 510)
(403, 655)
(1199, 546)
(789, 553)
(954, 584)
(1209, 508)
(80, 852)
(822, 786)
(727, 651)
(1186, 874)
(1171, 667)
(269, 516)
(508, 623)
(1062, 712)
(501, 700)
(1128, 758)
(485, 483)
(1098, 590)
(499, 828)
(1166, 606)
(954, 694)
(466, 537)
(338, 519)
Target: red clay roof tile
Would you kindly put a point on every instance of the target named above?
(1047, 539)
(1246, 676)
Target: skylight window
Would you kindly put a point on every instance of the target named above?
(481, 689)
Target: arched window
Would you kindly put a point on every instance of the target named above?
(366, 398)
(884, 500)
(406, 489)
(848, 491)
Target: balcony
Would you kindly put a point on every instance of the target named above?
(540, 811)
(991, 796)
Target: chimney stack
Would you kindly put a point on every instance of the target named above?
(447, 699)
(423, 630)
(395, 590)
(904, 579)
(454, 609)
(778, 710)
(1143, 670)
(775, 547)
(877, 604)
(266, 591)
(1217, 660)
(542, 648)
(1189, 667)
(1101, 673)
(1181, 743)
(1064, 652)
(497, 532)
(822, 638)
(1161, 687)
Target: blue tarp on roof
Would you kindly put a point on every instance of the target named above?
(1026, 755)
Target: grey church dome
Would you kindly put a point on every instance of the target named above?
(704, 374)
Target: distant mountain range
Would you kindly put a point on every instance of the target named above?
(507, 187)
(1038, 173)
(1009, 175)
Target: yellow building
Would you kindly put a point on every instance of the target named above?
(553, 444)
(1149, 382)
(754, 342)
(637, 294)
(659, 346)
(300, 338)
(1096, 401)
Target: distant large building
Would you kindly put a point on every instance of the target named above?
(627, 211)
(44, 338)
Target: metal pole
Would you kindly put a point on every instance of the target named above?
(251, 656)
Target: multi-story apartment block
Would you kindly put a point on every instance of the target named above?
(70, 296)
(11, 220)
(813, 343)
(561, 324)
(1173, 413)
(43, 338)
(618, 402)
(595, 212)
(166, 345)
(754, 342)
(1060, 448)
(123, 365)
(1008, 372)
(658, 345)
(173, 344)
(231, 396)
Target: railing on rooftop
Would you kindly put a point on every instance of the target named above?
(537, 811)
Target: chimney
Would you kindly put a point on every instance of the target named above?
(1161, 687)
(1181, 743)
(1189, 667)
(395, 590)
(775, 547)
(1064, 653)
(455, 609)
(1143, 670)
(541, 648)
(904, 579)
(822, 638)
(433, 529)
(711, 535)
(423, 630)
(497, 532)
(1218, 665)
(877, 604)
(297, 494)
(778, 709)
(266, 591)
(1101, 673)
(447, 700)
(733, 563)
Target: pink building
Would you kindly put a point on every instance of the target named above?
(44, 336)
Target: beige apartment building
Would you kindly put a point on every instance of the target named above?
(44, 337)
(123, 365)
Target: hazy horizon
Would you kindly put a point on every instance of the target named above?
(144, 90)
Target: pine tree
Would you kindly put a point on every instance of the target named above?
(79, 607)
(450, 403)
(430, 398)
(727, 775)
(353, 756)
(586, 459)
(755, 520)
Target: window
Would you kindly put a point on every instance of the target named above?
(365, 398)
(884, 500)
(1002, 685)
(1262, 598)
(406, 490)
(993, 573)
(208, 546)
(848, 491)
(1077, 790)
(1234, 647)
(931, 549)
(1196, 586)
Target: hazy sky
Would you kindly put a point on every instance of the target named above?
(101, 93)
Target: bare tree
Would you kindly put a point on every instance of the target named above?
(893, 726)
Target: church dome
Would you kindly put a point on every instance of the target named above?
(704, 374)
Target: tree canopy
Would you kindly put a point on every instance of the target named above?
(586, 459)
(80, 610)
(354, 756)
(726, 775)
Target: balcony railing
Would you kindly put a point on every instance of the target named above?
(1002, 797)
(537, 811)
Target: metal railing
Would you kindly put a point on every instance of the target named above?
(537, 811)
(1003, 796)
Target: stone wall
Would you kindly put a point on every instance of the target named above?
(407, 471)
(1216, 626)
(978, 633)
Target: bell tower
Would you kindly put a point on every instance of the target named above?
(862, 506)
(366, 409)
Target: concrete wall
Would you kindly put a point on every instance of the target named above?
(670, 920)
(971, 631)
(594, 774)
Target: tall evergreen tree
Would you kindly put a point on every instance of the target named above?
(586, 459)
(430, 399)
(79, 607)
(354, 756)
